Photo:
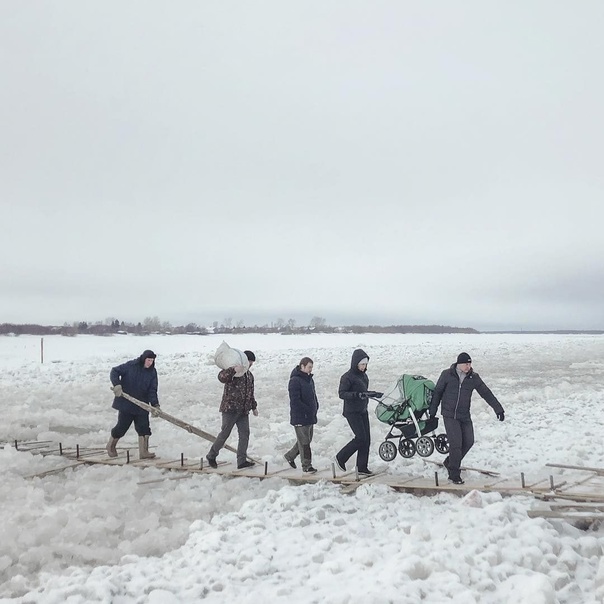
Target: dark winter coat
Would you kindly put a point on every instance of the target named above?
(455, 397)
(352, 383)
(238, 395)
(303, 403)
(137, 381)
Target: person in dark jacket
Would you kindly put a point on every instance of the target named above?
(237, 402)
(354, 385)
(138, 378)
(303, 407)
(453, 393)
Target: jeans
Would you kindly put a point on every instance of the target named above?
(302, 446)
(241, 419)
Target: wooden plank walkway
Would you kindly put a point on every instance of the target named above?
(577, 485)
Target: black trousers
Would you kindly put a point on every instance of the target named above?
(359, 424)
(460, 434)
(124, 421)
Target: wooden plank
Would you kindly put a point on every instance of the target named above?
(36, 448)
(492, 484)
(164, 479)
(576, 484)
(531, 486)
(568, 497)
(54, 471)
(362, 478)
(466, 468)
(580, 505)
(582, 468)
(565, 515)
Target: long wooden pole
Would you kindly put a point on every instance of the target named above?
(178, 422)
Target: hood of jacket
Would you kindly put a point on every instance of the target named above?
(357, 356)
(147, 354)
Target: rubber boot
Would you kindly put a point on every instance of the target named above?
(143, 448)
(111, 450)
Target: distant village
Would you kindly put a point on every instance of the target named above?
(153, 325)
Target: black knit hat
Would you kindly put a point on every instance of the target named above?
(148, 354)
(250, 355)
(463, 357)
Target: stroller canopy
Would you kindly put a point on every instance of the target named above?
(412, 394)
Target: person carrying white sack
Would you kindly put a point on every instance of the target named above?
(237, 402)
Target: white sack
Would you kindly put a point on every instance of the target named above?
(226, 357)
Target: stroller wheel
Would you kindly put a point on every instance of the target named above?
(424, 446)
(406, 447)
(441, 443)
(387, 451)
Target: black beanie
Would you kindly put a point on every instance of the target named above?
(250, 355)
(463, 357)
(148, 354)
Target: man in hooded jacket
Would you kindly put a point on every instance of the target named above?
(453, 392)
(353, 390)
(138, 378)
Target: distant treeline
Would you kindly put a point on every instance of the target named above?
(559, 332)
(152, 325)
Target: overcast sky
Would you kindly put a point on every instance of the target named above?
(378, 162)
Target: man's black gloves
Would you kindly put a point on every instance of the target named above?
(501, 416)
(362, 395)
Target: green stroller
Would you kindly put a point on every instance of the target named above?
(405, 409)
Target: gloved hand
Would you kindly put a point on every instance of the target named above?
(374, 394)
(117, 390)
(501, 416)
(362, 395)
(154, 410)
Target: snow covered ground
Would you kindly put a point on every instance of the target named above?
(107, 534)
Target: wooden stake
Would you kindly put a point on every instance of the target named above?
(333, 469)
(182, 459)
(522, 480)
(265, 468)
(436, 478)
